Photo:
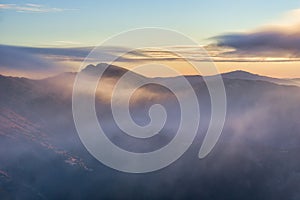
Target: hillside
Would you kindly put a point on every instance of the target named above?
(43, 158)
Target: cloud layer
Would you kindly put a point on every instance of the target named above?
(31, 58)
(274, 43)
(280, 40)
(57, 60)
(31, 8)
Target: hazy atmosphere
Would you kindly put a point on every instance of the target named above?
(149, 100)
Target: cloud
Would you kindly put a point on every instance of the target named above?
(56, 60)
(40, 62)
(269, 42)
(288, 19)
(32, 8)
(279, 40)
(52, 60)
(67, 42)
(15, 57)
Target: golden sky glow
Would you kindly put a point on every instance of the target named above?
(270, 47)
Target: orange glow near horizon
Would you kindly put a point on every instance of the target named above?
(271, 69)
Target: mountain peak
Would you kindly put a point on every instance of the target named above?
(239, 74)
(110, 70)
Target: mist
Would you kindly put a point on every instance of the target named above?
(255, 157)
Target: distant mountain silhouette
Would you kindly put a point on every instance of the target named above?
(111, 71)
(249, 76)
(116, 72)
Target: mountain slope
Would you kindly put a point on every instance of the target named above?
(249, 76)
(42, 157)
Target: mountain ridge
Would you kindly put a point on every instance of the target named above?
(113, 71)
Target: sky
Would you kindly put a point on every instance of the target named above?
(52, 36)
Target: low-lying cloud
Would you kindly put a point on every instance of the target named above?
(56, 60)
